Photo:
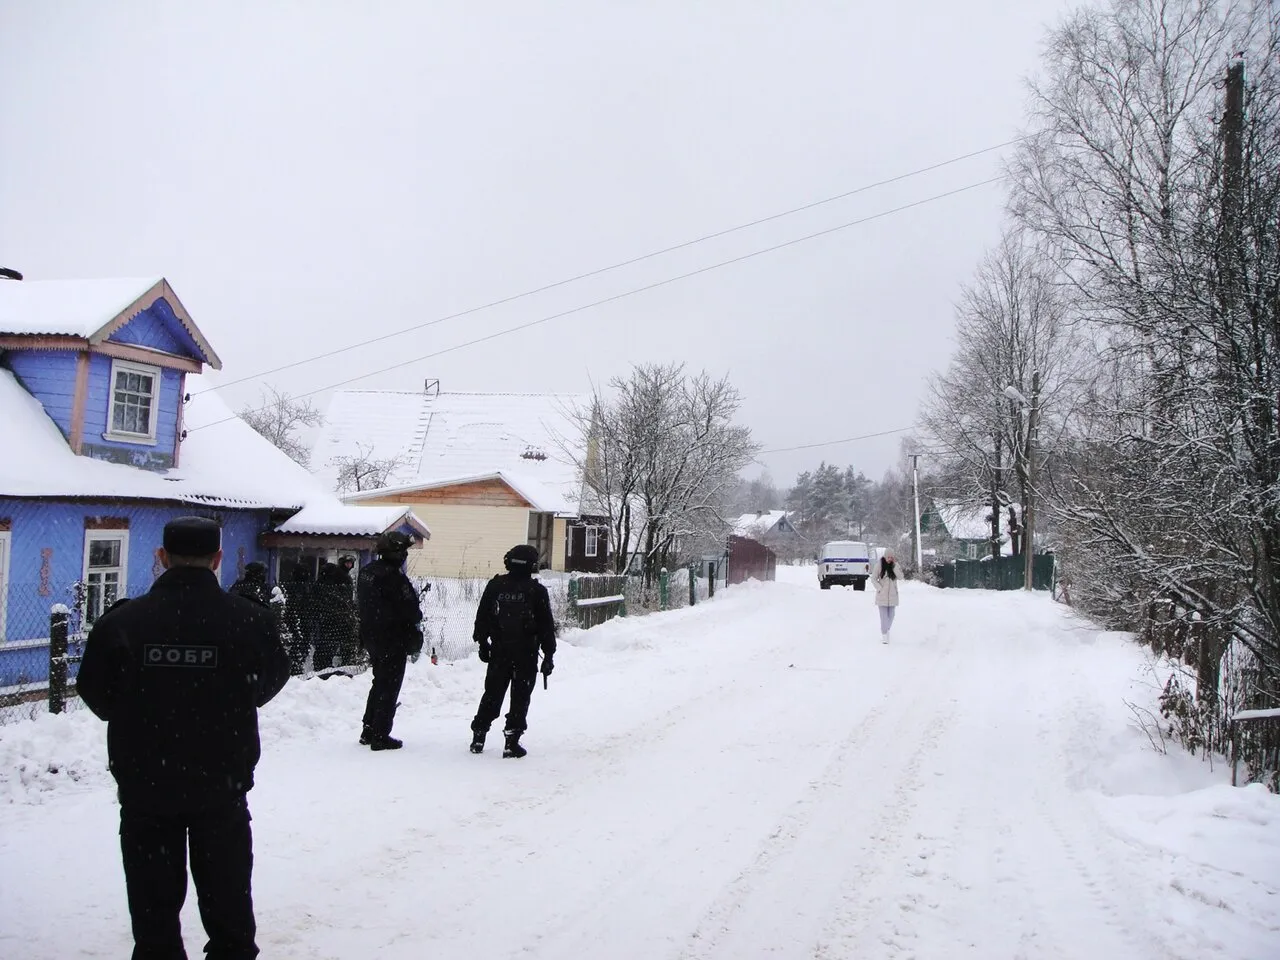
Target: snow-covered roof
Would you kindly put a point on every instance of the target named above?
(223, 462)
(758, 524)
(964, 521)
(326, 518)
(543, 498)
(89, 309)
(448, 438)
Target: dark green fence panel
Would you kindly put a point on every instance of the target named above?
(1007, 573)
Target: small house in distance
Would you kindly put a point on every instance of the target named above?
(484, 471)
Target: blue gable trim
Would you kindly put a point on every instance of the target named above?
(158, 328)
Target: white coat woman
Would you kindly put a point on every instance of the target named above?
(885, 576)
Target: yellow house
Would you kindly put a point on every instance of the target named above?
(483, 471)
(475, 520)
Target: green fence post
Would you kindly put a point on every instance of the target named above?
(622, 589)
(573, 600)
(711, 578)
(693, 584)
(664, 580)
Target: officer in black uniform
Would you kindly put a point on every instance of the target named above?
(513, 621)
(252, 585)
(179, 675)
(389, 617)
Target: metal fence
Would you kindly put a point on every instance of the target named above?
(317, 626)
(38, 666)
(1005, 573)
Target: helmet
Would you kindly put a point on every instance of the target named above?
(522, 558)
(393, 542)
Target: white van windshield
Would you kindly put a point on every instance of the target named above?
(845, 550)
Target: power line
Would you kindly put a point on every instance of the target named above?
(615, 266)
(832, 443)
(630, 293)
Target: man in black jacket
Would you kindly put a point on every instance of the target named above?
(389, 616)
(513, 621)
(179, 675)
(252, 585)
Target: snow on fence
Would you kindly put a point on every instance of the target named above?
(1255, 747)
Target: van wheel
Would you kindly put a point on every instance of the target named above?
(824, 585)
(859, 584)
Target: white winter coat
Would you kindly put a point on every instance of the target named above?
(886, 588)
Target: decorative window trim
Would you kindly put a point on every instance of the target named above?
(90, 536)
(591, 547)
(146, 369)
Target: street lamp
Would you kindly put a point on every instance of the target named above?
(1032, 407)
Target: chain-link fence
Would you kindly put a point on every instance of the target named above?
(44, 628)
(577, 600)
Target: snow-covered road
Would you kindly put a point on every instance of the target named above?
(755, 777)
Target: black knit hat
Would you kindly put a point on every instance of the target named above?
(192, 537)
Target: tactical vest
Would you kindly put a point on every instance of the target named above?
(515, 613)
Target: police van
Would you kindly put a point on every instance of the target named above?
(846, 562)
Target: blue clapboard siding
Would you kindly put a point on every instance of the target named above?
(158, 328)
(59, 528)
(49, 376)
(97, 420)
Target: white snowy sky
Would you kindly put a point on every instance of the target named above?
(310, 174)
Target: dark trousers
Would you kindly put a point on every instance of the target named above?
(517, 668)
(388, 675)
(154, 849)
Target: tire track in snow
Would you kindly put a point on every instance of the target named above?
(828, 825)
(859, 902)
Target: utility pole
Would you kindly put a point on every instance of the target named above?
(1232, 128)
(1029, 514)
(915, 496)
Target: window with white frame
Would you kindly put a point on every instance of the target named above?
(106, 558)
(135, 400)
(593, 541)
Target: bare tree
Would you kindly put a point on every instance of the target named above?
(1012, 323)
(279, 418)
(364, 471)
(663, 461)
(1155, 178)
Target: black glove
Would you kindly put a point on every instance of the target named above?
(415, 643)
(485, 650)
(547, 666)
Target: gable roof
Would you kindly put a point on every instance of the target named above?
(543, 498)
(89, 310)
(223, 462)
(963, 521)
(758, 524)
(448, 438)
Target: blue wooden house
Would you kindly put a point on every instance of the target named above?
(105, 436)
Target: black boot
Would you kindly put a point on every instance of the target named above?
(385, 743)
(512, 748)
(366, 735)
(477, 741)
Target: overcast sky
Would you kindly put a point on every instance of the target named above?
(308, 175)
